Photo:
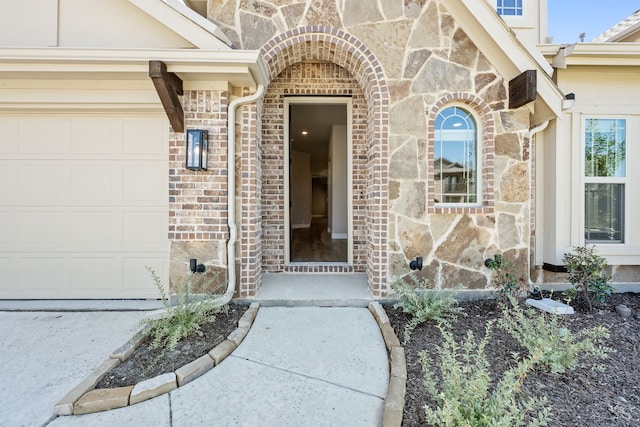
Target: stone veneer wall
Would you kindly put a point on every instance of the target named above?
(310, 78)
(198, 199)
(410, 59)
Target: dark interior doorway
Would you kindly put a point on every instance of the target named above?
(318, 183)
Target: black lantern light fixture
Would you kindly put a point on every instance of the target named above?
(197, 149)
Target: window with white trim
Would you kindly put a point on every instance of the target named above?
(605, 180)
(456, 157)
(510, 7)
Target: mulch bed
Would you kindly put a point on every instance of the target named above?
(583, 397)
(145, 363)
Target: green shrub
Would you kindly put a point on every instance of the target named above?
(507, 280)
(588, 273)
(546, 335)
(182, 320)
(464, 396)
(423, 304)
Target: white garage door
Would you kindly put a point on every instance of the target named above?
(83, 206)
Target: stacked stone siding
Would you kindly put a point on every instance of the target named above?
(406, 61)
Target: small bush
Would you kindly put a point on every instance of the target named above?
(182, 320)
(464, 397)
(507, 280)
(588, 273)
(546, 335)
(424, 304)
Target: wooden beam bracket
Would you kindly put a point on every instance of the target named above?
(523, 89)
(169, 86)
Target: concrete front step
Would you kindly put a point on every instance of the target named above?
(314, 290)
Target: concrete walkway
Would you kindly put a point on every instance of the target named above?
(298, 366)
(45, 354)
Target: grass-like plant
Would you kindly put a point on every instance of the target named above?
(464, 396)
(423, 303)
(548, 336)
(184, 319)
(588, 273)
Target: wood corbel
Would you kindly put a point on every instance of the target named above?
(169, 86)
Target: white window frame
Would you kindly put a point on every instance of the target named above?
(479, 157)
(523, 14)
(631, 240)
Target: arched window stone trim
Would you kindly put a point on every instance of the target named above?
(486, 126)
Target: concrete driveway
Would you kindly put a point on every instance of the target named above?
(45, 354)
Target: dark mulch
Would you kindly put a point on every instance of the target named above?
(583, 397)
(145, 363)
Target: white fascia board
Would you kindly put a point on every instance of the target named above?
(601, 54)
(501, 47)
(201, 36)
(243, 66)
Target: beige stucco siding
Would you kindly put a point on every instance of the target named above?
(80, 23)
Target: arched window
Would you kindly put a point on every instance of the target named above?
(456, 157)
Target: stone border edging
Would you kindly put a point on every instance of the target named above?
(394, 401)
(85, 399)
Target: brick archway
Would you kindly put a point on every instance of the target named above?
(322, 44)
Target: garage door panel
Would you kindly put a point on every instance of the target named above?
(43, 136)
(151, 183)
(43, 182)
(95, 183)
(46, 274)
(8, 229)
(93, 275)
(9, 188)
(144, 229)
(144, 136)
(9, 277)
(95, 230)
(8, 135)
(136, 278)
(43, 230)
(86, 208)
(96, 136)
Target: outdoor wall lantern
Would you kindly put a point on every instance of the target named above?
(197, 149)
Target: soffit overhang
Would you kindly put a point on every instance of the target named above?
(593, 54)
(238, 68)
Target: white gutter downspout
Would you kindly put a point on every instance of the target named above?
(532, 132)
(231, 191)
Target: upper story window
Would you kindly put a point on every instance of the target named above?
(510, 7)
(605, 178)
(455, 157)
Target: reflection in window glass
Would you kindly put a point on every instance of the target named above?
(605, 153)
(510, 7)
(604, 213)
(455, 164)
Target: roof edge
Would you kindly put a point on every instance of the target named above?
(500, 45)
(189, 26)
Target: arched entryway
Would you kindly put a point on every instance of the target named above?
(319, 61)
